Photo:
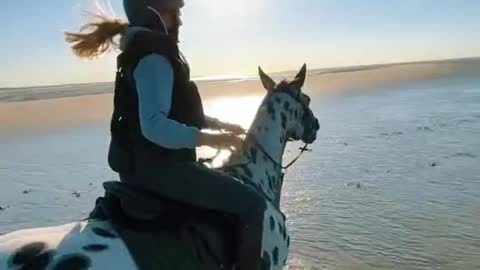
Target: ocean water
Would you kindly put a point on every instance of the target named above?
(393, 181)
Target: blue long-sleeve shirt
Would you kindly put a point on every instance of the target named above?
(154, 82)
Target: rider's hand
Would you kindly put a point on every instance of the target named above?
(235, 129)
(220, 141)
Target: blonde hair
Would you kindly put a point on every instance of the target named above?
(95, 38)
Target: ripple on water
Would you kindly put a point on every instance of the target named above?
(406, 215)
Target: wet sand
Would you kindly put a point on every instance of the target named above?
(27, 109)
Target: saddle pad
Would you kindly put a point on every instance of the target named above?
(169, 250)
(176, 227)
(153, 246)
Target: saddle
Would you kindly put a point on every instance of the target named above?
(149, 225)
(142, 206)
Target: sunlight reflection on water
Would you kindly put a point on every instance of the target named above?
(366, 197)
(236, 110)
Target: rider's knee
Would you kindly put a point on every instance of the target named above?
(257, 204)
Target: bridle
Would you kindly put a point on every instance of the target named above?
(284, 168)
(278, 164)
(302, 149)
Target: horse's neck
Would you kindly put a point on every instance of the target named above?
(266, 135)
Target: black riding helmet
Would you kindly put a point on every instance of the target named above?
(140, 13)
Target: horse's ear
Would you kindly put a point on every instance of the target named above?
(299, 80)
(267, 82)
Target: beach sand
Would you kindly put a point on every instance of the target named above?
(27, 109)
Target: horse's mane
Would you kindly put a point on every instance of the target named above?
(282, 86)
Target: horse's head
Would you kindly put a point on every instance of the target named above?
(284, 115)
(297, 118)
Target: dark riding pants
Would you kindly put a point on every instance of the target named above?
(199, 186)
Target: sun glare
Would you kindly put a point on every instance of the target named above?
(236, 110)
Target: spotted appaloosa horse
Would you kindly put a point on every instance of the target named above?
(284, 115)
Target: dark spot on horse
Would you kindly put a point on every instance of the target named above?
(272, 223)
(266, 128)
(280, 228)
(73, 262)
(284, 121)
(248, 172)
(284, 233)
(433, 164)
(39, 262)
(95, 247)
(253, 154)
(271, 108)
(275, 256)
(288, 241)
(270, 184)
(274, 181)
(266, 262)
(258, 187)
(26, 253)
(262, 181)
(278, 100)
(103, 233)
(286, 105)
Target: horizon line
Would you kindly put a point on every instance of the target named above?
(230, 77)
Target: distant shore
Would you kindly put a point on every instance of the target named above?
(28, 108)
(395, 72)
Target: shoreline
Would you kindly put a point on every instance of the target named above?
(57, 107)
(22, 94)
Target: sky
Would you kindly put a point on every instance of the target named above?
(227, 37)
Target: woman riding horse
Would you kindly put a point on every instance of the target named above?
(158, 118)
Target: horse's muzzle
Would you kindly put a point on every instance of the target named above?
(311, 132)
